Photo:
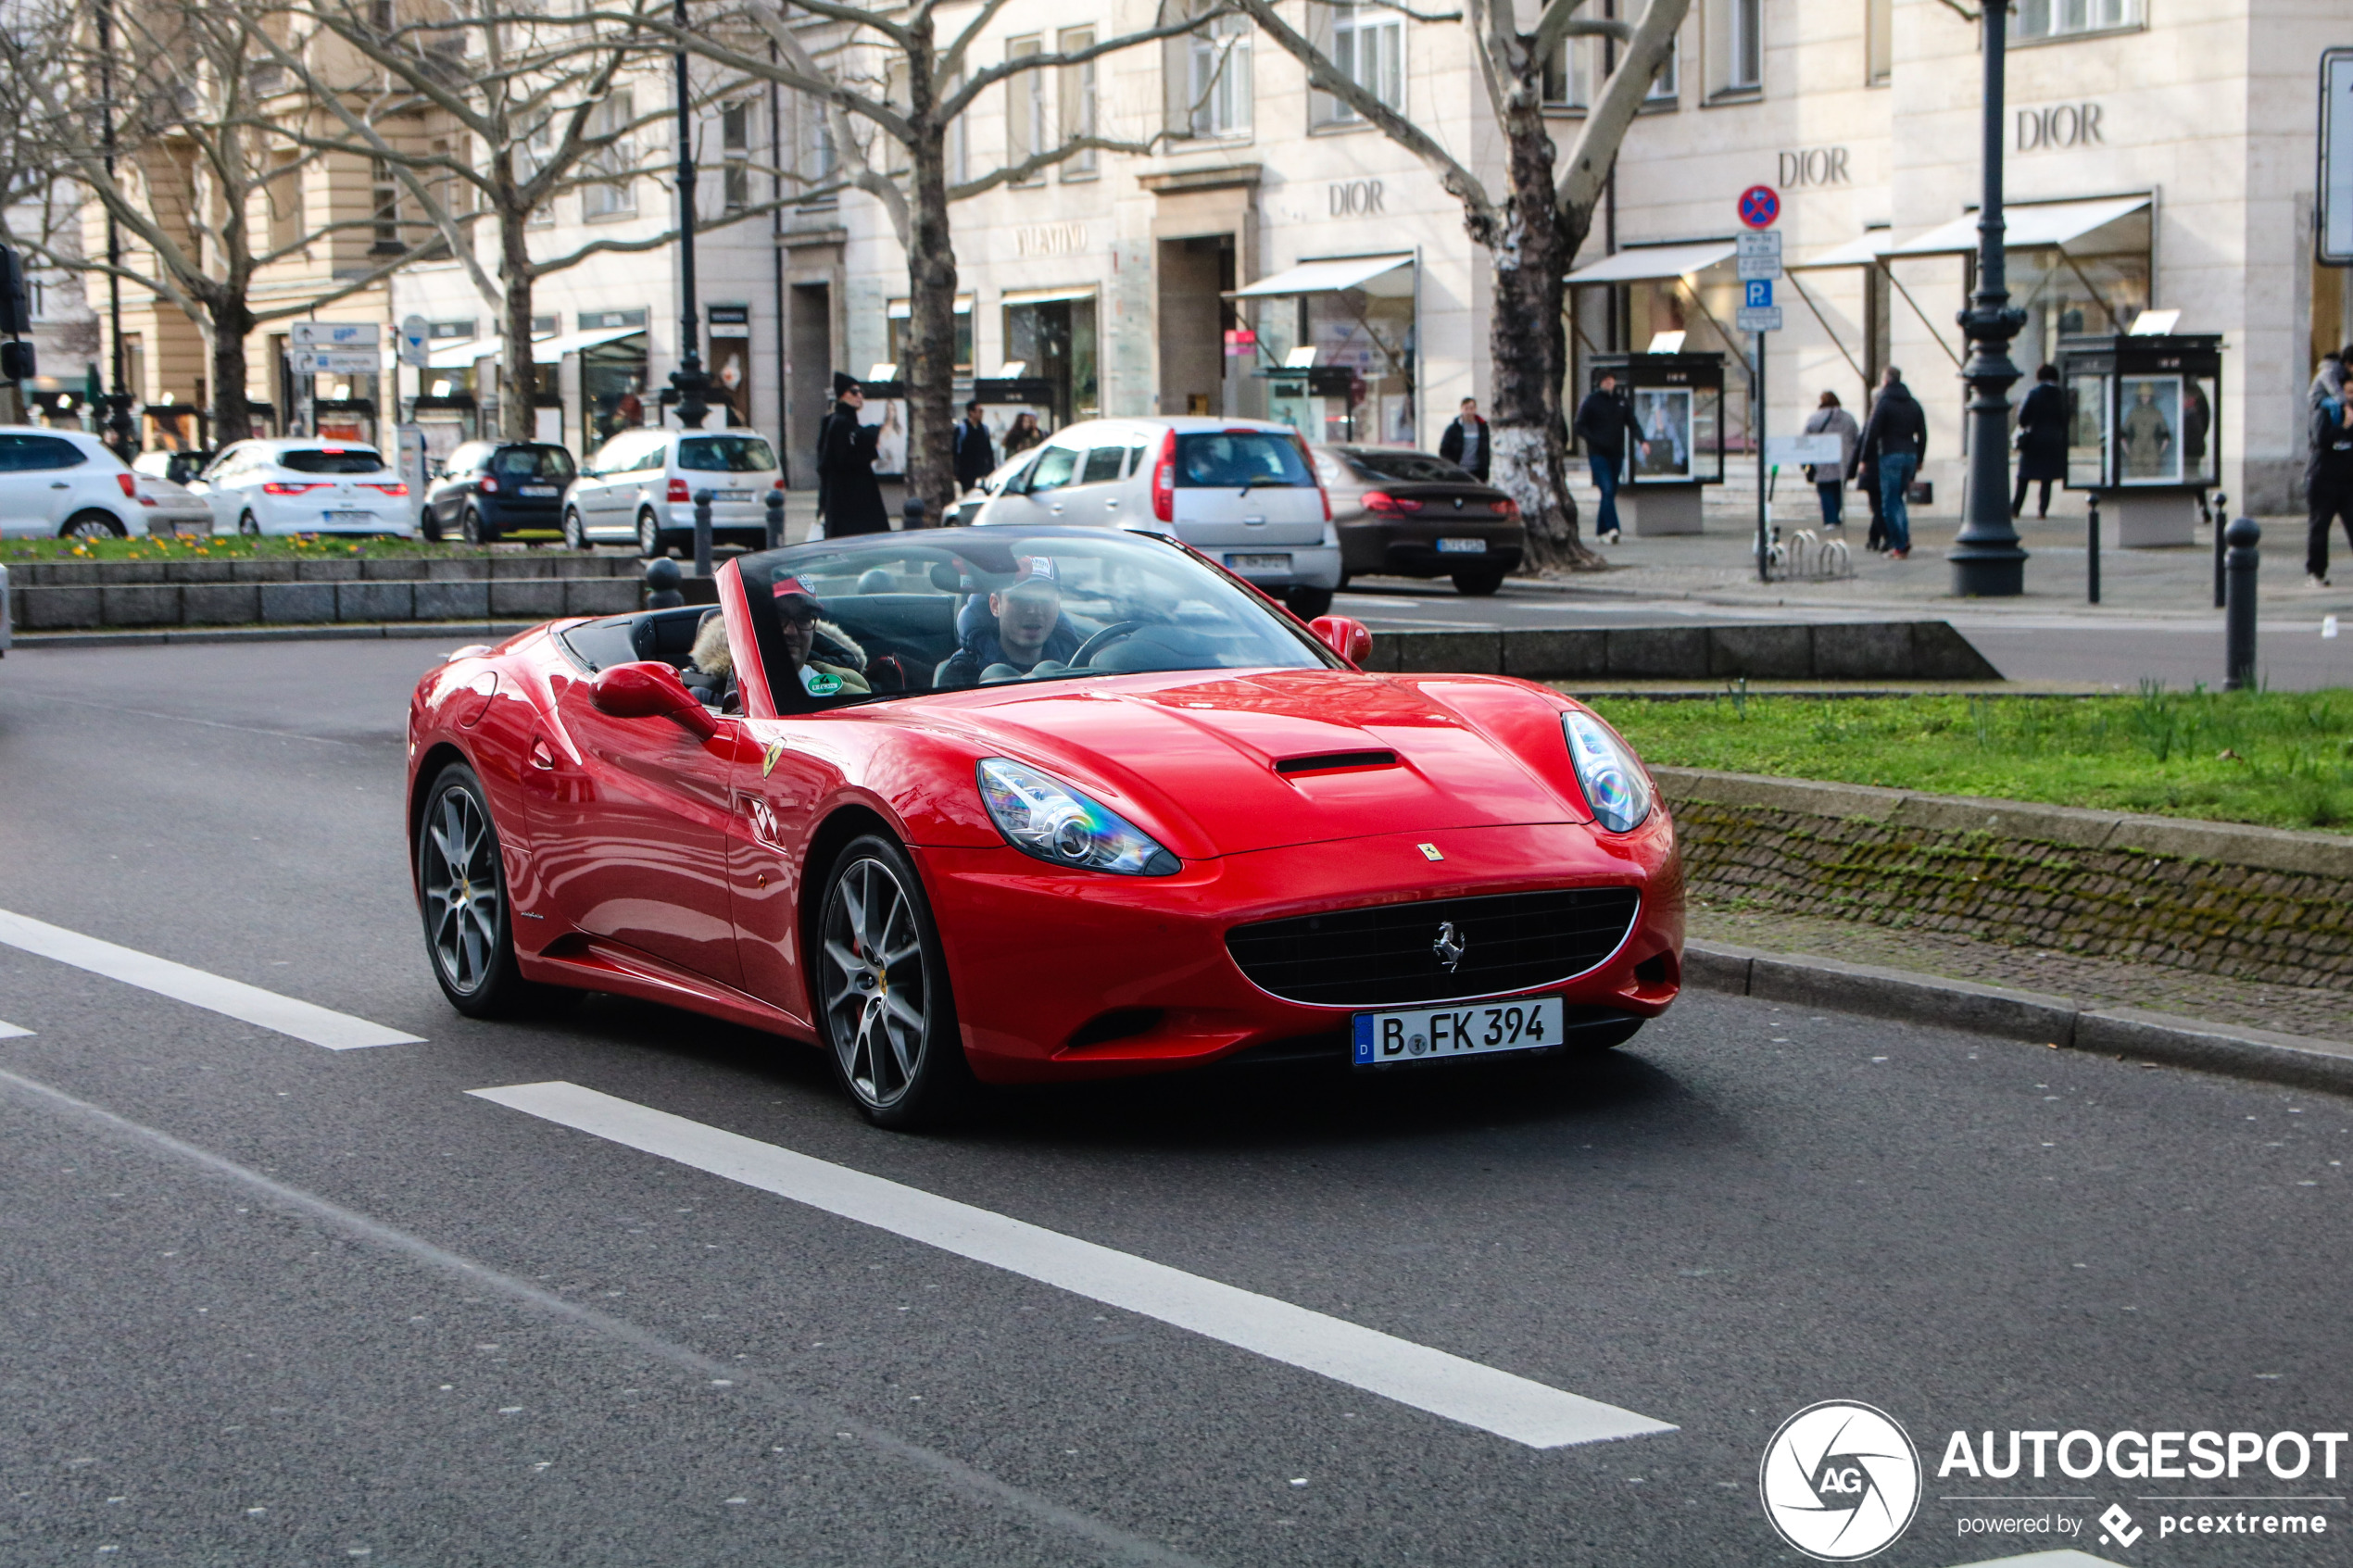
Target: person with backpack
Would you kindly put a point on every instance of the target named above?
(1897, 430)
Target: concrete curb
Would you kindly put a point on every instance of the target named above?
(2261, 1054)
(409, 629)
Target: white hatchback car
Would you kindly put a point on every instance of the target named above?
(306, 485)
(68, 484)
(641, 486)
(1242, 492)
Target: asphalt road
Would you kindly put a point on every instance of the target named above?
(2055, 645)
(270, 1303)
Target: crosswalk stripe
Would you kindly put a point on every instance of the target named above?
(234, 998)
(1444, 1384)
(11, 1032)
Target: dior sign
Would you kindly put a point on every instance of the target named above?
(2060, 125)
(1357, 198)
(1814, 166)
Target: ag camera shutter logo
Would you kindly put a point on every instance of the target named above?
(1840, 1481)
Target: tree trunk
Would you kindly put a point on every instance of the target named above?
(930, 370)
(1528, 340)
(518, 375)
(231, 319)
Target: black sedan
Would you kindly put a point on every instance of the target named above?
(491, 488)
(1403, 513)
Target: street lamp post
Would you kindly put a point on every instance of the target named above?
(689, 381)
(1987, 562)
(116, 407)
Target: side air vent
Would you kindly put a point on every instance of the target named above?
(1332, 761)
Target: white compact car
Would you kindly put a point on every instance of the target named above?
(1242, 492)
(66, 484)
(297, 485)
(641, 486)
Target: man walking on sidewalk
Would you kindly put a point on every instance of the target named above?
(2328, 480)
(1603, 422)
(1898, 431)
(1465, 443)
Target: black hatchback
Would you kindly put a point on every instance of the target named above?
(1403, 513)
(491, 488)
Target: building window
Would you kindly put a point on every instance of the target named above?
(735, 149)
(1025, 109)
(2062, 19)
(384, 202)
(462, 329)
(1743, 44)
(1077, 102)
(616, 160)
(820, 159)
(530, 155)
(1216, 80)
(1666, 87)
(1368, 47)
(1568, 80)
(285, 201)
(1879, 42)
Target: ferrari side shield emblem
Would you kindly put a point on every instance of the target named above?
(775, 749)
(1429, 852)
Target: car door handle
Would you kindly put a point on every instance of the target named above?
(1057, 507)
(1111, 506)
(61, 485)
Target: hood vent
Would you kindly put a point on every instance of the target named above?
(1332, 761)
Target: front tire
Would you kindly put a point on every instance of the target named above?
(461, 887)
(1477, 585)
(1308, 603)
(883, 1010)
(650, 539)
(90, 524)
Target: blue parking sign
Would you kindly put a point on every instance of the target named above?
(1761, 292)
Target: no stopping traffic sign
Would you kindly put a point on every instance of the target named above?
(1759, 206)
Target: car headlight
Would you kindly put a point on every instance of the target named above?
(1616, 786)
(1056, 824)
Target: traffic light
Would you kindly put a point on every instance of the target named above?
(16, 361)
(16, 307)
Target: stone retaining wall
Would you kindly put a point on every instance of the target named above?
(81, 595)
(1869, 650)
(2255, 904)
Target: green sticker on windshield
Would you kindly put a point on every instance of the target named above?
(818, 683)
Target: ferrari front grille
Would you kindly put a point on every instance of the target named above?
(1443, 949)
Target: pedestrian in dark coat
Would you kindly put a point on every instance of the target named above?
(846, 489)
(2041, 441)
(2328, 481)
(1603, 423)
(1465, 444)
(1897, 429)
(976, 455)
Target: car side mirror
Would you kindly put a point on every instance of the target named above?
(651, 689)
(1344, 635)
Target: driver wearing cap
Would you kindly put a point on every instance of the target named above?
(1026, 634)
(796, 614)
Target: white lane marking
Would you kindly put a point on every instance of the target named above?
(304, 1020)
(1444, 1384)
(10, 1031)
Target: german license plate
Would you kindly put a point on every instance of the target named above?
(1258, 563)
(1490, 1029)
(1462, 546)
(351, 520)
(538, 490)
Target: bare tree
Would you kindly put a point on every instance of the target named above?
(1531, 230)
(199, 138)
(898, 81)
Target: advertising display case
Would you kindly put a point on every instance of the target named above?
(1676, 401)
(2145, 429)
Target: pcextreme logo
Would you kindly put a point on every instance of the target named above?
(1840, 1481)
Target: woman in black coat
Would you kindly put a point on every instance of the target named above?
(2041, 441)
(848, 493)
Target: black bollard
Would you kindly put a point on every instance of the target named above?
(661, 584)
(2238, 615)
(910, 516)
(702, 533)
(775, 516)
(2221, 516)
(2092, 548)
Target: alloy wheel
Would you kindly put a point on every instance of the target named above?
(575, 537)
(648, 536)
(460, 878)
(91, 525)
(874, 982)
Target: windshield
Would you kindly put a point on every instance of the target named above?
(532, 462)
(880, 616)
(1231, 458)
(725, 454)
(1414, 468)
(331, 460)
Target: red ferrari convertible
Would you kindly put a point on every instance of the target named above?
(1022, 805)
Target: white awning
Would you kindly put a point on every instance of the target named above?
(1646, 264)
(2036, 224)
(1047, 296)
(461, 355)
(1370, 273)
(899, 310)
(547, 350)
(1860, 251)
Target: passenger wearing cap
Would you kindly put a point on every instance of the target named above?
(797, 615)
(1024, 635)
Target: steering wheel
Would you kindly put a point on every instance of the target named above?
(1104, 638)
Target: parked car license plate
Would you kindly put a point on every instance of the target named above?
(1462, 546)
(1258, 563)
(538, 491)
(350, 520)
(1488, 1030)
